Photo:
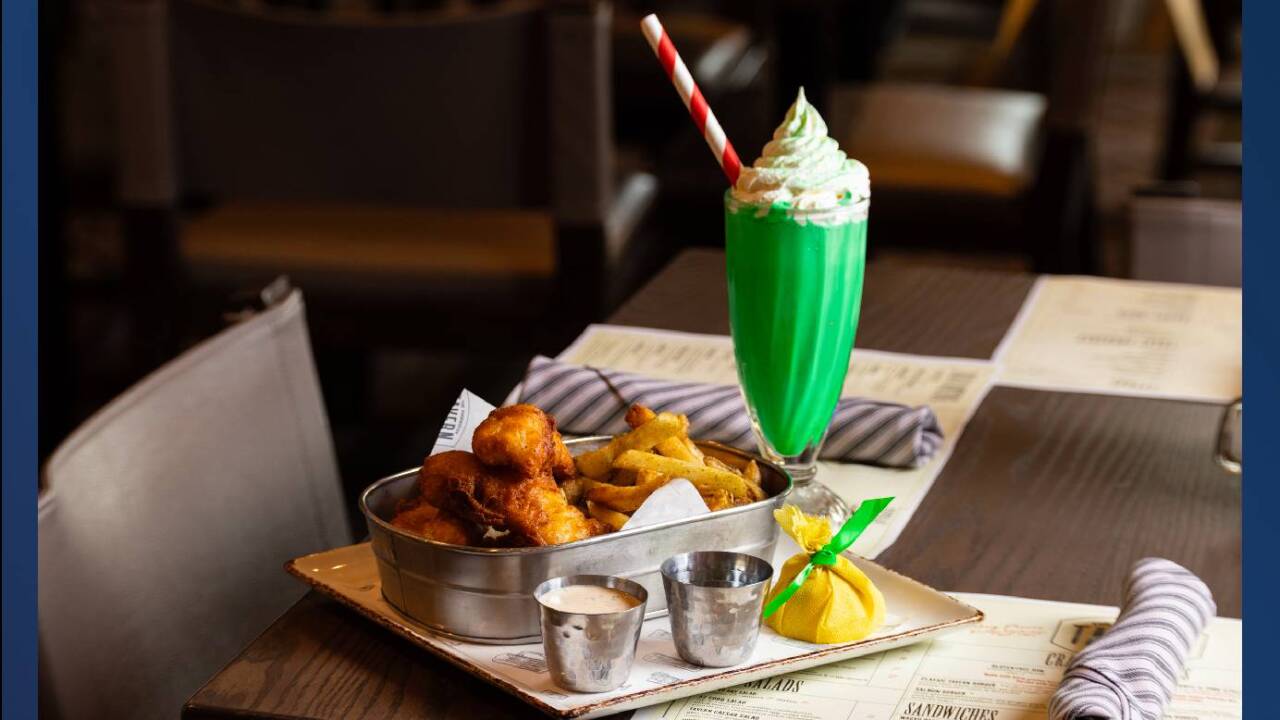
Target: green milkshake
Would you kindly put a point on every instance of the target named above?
(795, 241)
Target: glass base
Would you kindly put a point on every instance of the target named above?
(814, 498)
(811, 496)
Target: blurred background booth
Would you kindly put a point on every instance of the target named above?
(458, 185)
(456, 166)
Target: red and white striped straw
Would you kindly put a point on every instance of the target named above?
(692, 97)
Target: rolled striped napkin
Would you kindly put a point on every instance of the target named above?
(590, 401)
(1131, 671)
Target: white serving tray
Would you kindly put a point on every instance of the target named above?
(915, 612)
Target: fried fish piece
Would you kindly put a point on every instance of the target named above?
(536, 510)
(453, 480)
(523, 438)
(532, 507)
(422, 518)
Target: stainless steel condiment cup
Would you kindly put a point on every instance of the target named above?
(590, 652)
(715, 600)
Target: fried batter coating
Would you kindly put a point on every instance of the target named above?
(532, 507)
(562, 465)
(517, 437)
(523, 438)
(454, 480)
(423, 518)
(537, 511)
(509, 483)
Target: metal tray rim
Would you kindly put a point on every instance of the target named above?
(507, 552)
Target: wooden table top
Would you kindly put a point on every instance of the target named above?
(1048, 495)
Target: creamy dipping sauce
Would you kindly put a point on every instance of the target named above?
(589, 600)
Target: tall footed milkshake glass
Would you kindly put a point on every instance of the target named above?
(795, 245)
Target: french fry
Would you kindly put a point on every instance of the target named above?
(596, 463)
(705, 478)
(676, 447)
(612, 518)
(724, 479)
(622, 499)
(627, 499)
(625, 478)
(574, 488)
(680, 448)
(755, 492)
(751, 473)
(651, 479)
(733, 460)
(715, 462)
(638, 415)
(694, 450)
(721, 499)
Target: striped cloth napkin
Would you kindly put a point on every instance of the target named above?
(1131, 671)
(590, 401)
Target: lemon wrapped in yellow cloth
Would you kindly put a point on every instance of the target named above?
(836, 602)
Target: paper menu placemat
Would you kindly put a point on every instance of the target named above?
(1126, 337)
(1005, 668)
(952, 387)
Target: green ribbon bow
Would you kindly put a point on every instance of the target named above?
(830, 552)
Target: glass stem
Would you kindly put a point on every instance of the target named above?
(802, 474)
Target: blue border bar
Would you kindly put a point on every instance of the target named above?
(1261, 353)
(21, 208)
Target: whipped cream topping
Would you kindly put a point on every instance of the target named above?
(802, 168)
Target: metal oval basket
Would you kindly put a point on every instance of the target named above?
(485, 594)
